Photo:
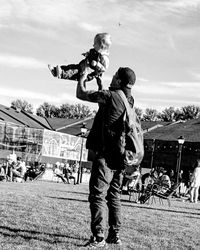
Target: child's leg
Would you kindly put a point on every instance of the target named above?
(69, 72)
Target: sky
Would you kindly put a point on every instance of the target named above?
(158, 39)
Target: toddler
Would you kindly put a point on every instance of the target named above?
(97, 58)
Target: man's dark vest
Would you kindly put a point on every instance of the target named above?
(107, 125)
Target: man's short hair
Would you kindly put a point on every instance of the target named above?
(127, 76)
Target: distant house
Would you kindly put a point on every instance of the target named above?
(21, 132)
(162, 146)
(22, 118)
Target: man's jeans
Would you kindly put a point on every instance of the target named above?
(105, 186)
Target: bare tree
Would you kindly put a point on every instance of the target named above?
(48, 110)
(138, 111)
(66, 110)
(22, 105)
(150, 115)
(168, 114)
(190, 112)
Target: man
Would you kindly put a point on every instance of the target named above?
(59, 173)
(67, 171)
(107, 170)
(19, 169)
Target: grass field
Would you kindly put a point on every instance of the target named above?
(47, 215)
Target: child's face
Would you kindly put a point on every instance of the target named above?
(102, 44)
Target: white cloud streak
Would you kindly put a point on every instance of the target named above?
(36, 96)
(20, 62)
(90, 27)
(151, 15)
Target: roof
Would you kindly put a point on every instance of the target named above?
(190, 130)
(60, 123)
(23, 118)
(166, 131)
(153, 130)
(150, 125)
(75, 128)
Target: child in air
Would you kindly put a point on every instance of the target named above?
(97, 58)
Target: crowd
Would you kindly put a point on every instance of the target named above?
(14, 169)
(66, 171)
(17, 170)
(185, 185)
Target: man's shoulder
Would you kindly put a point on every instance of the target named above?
(100, 96)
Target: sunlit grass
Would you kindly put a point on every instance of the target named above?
(47, 215)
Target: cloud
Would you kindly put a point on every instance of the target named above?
(37, 96)
(180, 4)
(142, 79)
(90, 27)
(20, 62)
(195, 75)
(160, 95)
(150, 16)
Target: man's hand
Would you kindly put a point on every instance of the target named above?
(93, 63)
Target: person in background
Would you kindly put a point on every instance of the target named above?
(108, 165)
(19, 169)
(164, 178)
(67, 171)
(59, 173)
(172, 176)
(2, 173)
(131, 178)
(195, 183)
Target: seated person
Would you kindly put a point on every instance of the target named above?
(19, 169)
(2, 173)
(131, 178)
(59, 173)
(163, 182)
(68, 173)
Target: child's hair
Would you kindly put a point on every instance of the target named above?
(102, 42)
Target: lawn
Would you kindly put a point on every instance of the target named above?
(47, 215)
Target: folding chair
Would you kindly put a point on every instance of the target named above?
(146, 194)
(163, 193)
(134, 189)
(131, 187)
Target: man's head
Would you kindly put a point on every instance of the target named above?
(123, 78)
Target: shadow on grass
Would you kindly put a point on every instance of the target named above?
(69, 199)
(50, 238)
(71, 192)
(131, 204)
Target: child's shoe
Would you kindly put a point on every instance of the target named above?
(53, 70)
